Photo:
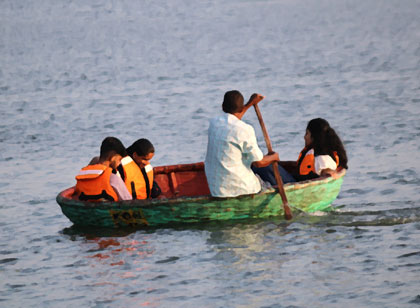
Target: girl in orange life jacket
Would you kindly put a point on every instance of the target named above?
(322, 154)
(323, 151)
(137, 172)
(97, 182)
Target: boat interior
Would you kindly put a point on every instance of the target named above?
(188, 180)
(182, 180)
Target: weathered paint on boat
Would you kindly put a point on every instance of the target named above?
(307, 196)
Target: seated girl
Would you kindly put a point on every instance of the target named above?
(322, 155)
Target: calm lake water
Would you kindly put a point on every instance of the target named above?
(74, 72)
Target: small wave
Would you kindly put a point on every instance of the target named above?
(417, 253)
(318, 213)
(353, 218)
(8, 260)
(168, 260)
(416, 300)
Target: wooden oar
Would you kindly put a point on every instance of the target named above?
(286, 208)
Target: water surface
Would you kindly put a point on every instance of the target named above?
(73, 73)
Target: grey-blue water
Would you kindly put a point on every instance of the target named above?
(74, 72)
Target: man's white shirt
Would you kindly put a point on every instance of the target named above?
(231, 149)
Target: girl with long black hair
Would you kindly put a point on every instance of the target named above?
(322, 155)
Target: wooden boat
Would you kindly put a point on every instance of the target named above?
(186, 198)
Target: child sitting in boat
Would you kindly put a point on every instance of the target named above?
(322, 155)
(137, 172)
(97, 182)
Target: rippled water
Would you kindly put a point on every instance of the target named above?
(72, 73)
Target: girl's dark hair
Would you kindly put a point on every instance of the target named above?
(325, 140)
(142, 147)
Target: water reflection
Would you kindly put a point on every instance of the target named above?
(91, 232)
(256, 259)
(113, 247)
(117, 259)
(116, 250)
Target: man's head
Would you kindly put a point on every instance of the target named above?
(233, 102)
(112, 151)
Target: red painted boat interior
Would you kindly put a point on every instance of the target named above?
(68, 193)
(182, 180)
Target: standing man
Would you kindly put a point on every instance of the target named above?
(232, 149)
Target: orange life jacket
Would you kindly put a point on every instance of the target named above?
(139, 181)
(93, 184)
(306, 161)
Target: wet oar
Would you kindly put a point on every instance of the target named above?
(287, 210)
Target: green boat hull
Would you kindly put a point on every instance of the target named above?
(308, 196)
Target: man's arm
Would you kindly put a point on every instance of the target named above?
(254, 99)
(267, 160)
